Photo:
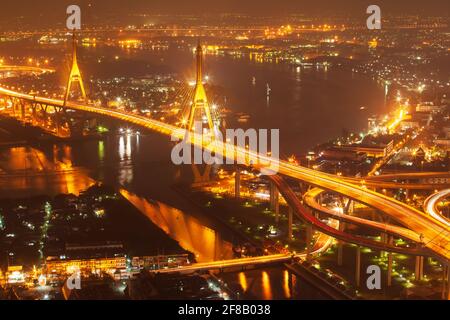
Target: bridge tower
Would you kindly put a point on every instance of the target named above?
(200, 101)
(198, 110)
(75, 73)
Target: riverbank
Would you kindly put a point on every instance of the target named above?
(34, 228)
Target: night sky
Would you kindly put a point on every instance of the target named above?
(29, 7)
(31, 14)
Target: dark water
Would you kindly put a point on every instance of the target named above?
(307, 105)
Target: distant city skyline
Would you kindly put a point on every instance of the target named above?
(257, 7)
(25, 15)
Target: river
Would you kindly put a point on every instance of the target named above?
(300, 99)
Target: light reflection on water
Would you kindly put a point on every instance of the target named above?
(101, 150)
(26, 171)
(266, 286)
(125, 148)
(205, 243)
(243, 281)
(31, 171)
(298, 100)
(126, 172)
(121, 148)
(286, 287)
(271, 283)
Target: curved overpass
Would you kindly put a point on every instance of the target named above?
(31, 69)
(322, 243)
(305, 214)
(310, 199)
(411, 175)
(390, 181)
(435, 234)
(430, 206)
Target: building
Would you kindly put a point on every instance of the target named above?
(160, 262)
(443, 143)
(93, 248)
(409, 124)
(373, 123)
(416, 120)
(88, 258)
(15, 275)
(429, 108)
(341, 154)
(85, 266)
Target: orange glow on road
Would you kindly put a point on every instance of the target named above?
(436, 236)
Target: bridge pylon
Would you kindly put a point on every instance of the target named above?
(200, 101)
(75, 73)
(200, 109)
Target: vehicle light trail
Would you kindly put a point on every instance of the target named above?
(430, 206)
(435, 233)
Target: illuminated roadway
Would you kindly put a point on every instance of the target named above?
(305, 214)
(435, 234)
(6, 68)
(321, 244)
(311, 200)
(430, 205)
(411, 175)
(397, 185)
(385, 181)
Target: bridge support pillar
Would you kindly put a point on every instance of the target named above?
(13, 106)
(201, 178)
(309, 236)
(422, 259)
(237, 183)
(22, 110)
(358, 267)
(316, 214)
(383, 240)
(57, 119)
(350, 207)
(446, 283)
(320, 198)
(44, 113)
(33, 113)
(389, 265)
(340, 253)
(407, 190)
(274, 201)
(290, 218)
(303, 187)
(177, 173)
(418, 272)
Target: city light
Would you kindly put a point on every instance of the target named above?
(129, 168)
